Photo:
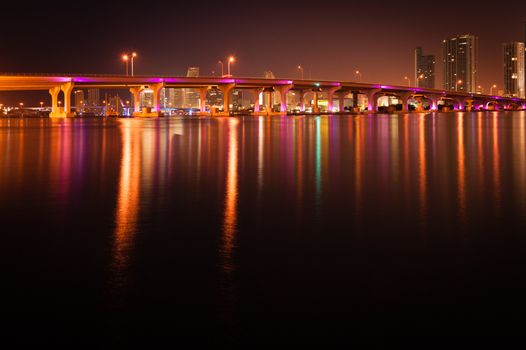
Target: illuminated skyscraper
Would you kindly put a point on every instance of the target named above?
(460, 56)
(190, 96)
(424, 70)
(513, 57)
(93, 97)
(79, 100)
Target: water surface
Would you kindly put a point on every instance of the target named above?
(235, 229)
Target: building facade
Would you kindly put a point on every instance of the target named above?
(79, 101)
(424, 69)
(460, 63)
(93, 97)
(513, 62)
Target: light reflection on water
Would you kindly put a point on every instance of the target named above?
(256, 216)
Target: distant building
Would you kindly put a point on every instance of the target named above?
(513, 59)
(79, 100)
(424, 70)
(190, 96)
(268, 75)
(460, 60)
(93, 97)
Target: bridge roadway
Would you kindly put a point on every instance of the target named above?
(65, 83)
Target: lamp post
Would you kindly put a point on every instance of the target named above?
(494, 86)
(408, 81)
(21, 104)
(231, 60)
(222, 68)
(359, 74)
(300, 68)
(133, 55)
(457, 83)
(41, 105)
(126, 58)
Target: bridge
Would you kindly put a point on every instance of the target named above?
(331, 90)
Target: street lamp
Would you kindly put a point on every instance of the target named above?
(126, 58)
(133, 55)
(41, 105)
(231, 60)
(21, 104)
(420, 77)
(302, 71)
(359, 74)
(408, 81)
(494, 86)
(222, 68)
(457, 83)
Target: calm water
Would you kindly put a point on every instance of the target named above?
(235, 229)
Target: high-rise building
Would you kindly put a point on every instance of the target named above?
(79, 100)
(513, 59)
(424, 70)
(190, 96)
(460, 59)
(93, 97)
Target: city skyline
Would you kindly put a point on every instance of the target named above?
(335, 49)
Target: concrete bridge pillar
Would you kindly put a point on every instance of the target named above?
(270, 96)
(302, 101)
(330, 98)
(355, 100)
(372, 100)
(67, 89)
(156, 88)
(54, 92)
(202, 100)
(341, 102)
(433, 103)
(316, 108)
(405, 101)
(226, 89)
(461, 103)
(469, 105)
(283, 91)
(255, 94)
(136, 93)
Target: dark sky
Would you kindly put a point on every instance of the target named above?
(330, 38)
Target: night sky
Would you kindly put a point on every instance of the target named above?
(331, 39)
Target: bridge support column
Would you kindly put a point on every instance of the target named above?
(316, 108)
(355, 106)
(341, 101)
(156, 98)
(226, 89)
(255, 94)
(330, 98)
(67, 89)
(283, 91)
(469, 106)
(461, 104)
(405, 101)
(302, 101)
(202, 101)
(433, 103)
(55, 111)
(270, 97)
(136, 93)
(372, 100)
